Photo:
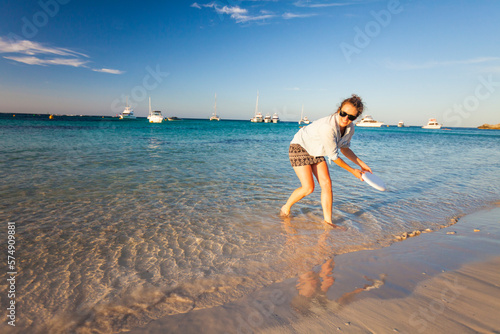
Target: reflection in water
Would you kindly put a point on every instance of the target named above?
(312, 286)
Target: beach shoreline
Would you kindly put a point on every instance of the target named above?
(445, 281)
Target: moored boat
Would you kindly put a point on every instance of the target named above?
(154, 116)
(214, 116)
(128, 113)
(275, 118)
(257, 118)
(368, 121)
(432, 124)
(303, 119)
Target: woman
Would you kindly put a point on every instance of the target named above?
(324, 137)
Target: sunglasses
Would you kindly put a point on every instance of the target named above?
(344, 114)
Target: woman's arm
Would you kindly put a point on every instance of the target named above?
(355, 172)
(354, 158)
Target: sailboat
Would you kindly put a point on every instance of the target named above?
(258, 116)
(154, 116)
(303, 119)
(214, 115)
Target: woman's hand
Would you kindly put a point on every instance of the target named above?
(365, 168)
(358, 173)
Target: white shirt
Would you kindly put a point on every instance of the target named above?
(323, 137)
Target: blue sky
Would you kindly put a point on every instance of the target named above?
(409, 60)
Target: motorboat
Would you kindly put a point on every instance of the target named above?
(154, 116)
(214, 116)
(303, 119)
(275, 118)
(401, 124)
(257, 118)
(268, 119)
(174, 118)
(432, 124)
(128, 113)
(368, 121)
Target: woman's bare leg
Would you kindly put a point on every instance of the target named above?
(322, 174)
(305, 175)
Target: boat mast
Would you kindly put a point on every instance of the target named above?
(257, 104)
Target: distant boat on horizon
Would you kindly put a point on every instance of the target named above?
(303, 119)
(369, 122)
(214, 116)
(432, 124)
(128, 113)
(258, 116)
(275, 118)
(154, 116)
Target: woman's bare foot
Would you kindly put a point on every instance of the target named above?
(335, 226)
(284, 212)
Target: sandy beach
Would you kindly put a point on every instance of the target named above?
(441, 282)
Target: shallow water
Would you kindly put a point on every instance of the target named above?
(122, 222)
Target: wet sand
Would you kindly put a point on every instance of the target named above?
(445, 281)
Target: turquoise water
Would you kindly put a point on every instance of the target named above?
(122, 222)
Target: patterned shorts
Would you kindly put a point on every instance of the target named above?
(299, 156)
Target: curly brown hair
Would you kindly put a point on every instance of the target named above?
(356, 102)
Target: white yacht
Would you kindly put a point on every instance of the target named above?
(268, 119)
(368, 121)
(401, 124)
(432, 124)
(154, 116)
(303, 119)
(258, 116)
(275, 118)
(214, 116)
(128, 113)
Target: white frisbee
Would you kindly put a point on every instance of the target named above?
(374, 181)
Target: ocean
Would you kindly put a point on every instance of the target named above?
(119, 223)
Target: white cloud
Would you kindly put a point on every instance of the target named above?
(33, 53)
(288, 16)
(195, 5)
(302, 3)
(107, 70)
(240, 15)
(32, 48)
(49, 61)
